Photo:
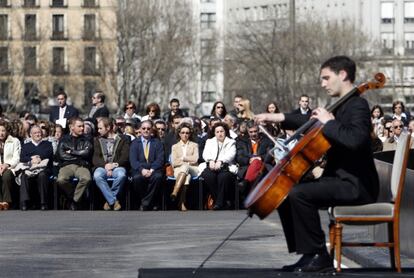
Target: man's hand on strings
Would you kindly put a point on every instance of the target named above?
(322, 115)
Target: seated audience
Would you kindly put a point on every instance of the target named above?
(10, 149)
(184, 159)
(219, 168)
(74, 152)
(146, 157)
(36, 167)
(252, 154)
(110, 160)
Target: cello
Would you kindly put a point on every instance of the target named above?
(294, 162)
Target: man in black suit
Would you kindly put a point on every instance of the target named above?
(146, 156)
(62, 113)
(98, 109)
(349, 178)
(252, 156)
(303, 106)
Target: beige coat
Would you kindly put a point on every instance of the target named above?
(177, 154)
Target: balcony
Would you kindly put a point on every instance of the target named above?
(90, 70)
(30, 36)
(4, 4)
(5, 71)
(89, 4)
(31, 71)
(58, 4)
(89, 36)
(59, 70)
(58, 36)
(30, 4)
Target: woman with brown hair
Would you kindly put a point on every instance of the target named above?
(10, 149)
(184, 157)
(153, 112)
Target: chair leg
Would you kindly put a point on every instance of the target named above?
(390, 227)
(338, 245)
(396, 249)
(331, 239)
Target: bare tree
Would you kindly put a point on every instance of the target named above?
(155, 44)
(266, 61)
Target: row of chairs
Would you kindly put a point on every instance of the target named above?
(94, 197)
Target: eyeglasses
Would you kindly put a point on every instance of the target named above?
(145, 128)
(398, 126)
(161, 129)
(130, 107)
(219, 107)
(153, 111)
(184, 132)
(43, 127)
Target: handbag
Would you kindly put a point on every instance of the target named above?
(169, 170)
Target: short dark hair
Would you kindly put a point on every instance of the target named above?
(338, 63)
(62, 93)
(100, 95)
(216, 125)
(174, 100)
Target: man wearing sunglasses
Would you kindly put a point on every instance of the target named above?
(146, 156)
(391, 143)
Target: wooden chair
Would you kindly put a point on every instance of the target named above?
(375, 213)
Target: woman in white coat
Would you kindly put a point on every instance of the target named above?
(9, 158)
(219, 168)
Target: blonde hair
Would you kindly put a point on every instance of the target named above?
(247, 112)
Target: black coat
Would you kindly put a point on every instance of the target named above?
(244, 153)
(70, 112)
(350, 157)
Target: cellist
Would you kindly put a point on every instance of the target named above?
(349, 178)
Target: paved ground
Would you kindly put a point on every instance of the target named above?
(116, 244)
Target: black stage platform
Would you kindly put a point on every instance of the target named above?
(264, 273)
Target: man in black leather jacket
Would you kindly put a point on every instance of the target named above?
(74, 152)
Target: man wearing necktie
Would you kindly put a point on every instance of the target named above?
(146, 156)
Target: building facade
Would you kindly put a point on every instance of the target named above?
(47, 46)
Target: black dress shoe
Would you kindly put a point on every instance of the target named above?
(243, 185)
(304, 260)
(23, 207)
(43, 207)
(320, 262)
(144, 208)
(217, 207)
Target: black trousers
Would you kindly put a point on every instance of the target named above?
(148, 188)
(220, 184)
(299, 213)
(41, 181)
(6, 183)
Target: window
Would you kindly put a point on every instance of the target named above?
(3, 3)
(89, 66)
(409, 43)
(58, 3)
(89, 3)
(387, 43)
(408, 73)
(58, 27)
(208, 1)
(208, 96)
(89, 26)
(4, 93)
(409, 12)
(30, 67)
(4, 60)
(29, 89)
(30, 27)
(29, 3)
(387, 12)
(208, 20)
(58, 61)
(3, 27)
(89, 91)
(207, 46)
(207, 72)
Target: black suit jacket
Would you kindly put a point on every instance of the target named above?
(244, 153)
(102, 112)
(137, 158)
(69, 113)
(350, 158)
